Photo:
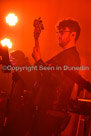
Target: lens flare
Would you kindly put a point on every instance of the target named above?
(6, 42)
(11, 19)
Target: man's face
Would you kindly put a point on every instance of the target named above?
(64, 37)
(15, 61)
(12, 60)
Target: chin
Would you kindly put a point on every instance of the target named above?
(61, 45)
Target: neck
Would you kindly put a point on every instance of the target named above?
(69, 45)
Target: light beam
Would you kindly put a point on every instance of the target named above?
(11, 19)
(6, 42)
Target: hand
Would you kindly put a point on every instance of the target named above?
(36, 54)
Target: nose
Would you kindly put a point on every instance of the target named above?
(59, 35)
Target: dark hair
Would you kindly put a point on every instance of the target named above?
(72, 25)
(18, 54)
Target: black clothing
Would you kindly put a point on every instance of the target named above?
(54, 92)
(55, 81)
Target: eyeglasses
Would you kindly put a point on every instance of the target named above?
(62, 32)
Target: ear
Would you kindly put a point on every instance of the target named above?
(73, 34)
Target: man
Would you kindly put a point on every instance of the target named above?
(20, 102)
(55, 86)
